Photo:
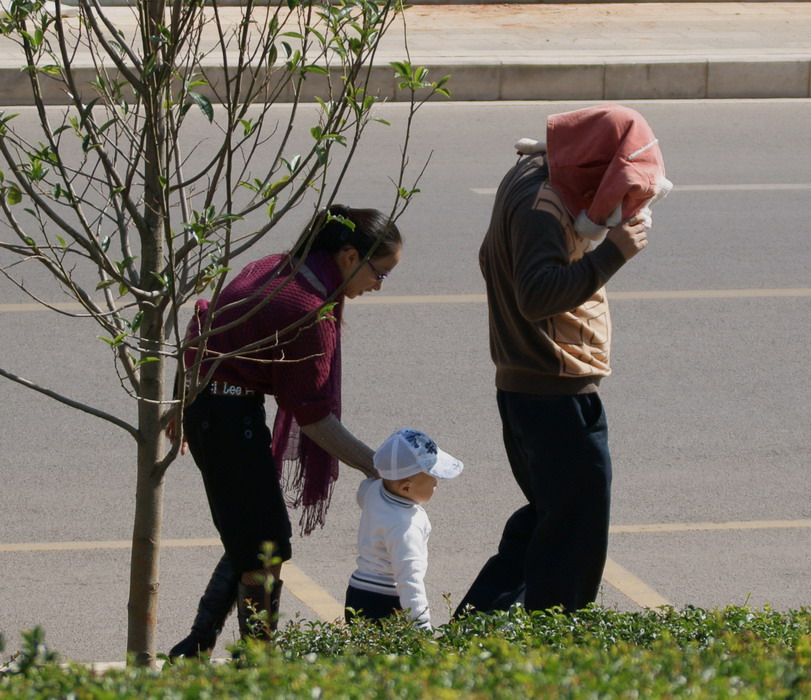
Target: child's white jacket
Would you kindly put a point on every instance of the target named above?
(393, 548)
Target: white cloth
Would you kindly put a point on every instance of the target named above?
(393, 549)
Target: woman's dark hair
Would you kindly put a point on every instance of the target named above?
(364, 230)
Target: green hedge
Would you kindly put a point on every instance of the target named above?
(736, 652)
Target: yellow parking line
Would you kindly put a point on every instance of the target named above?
(31, 306)
(692, 527)
(383, 299)
(296, 582)
(305, 589)
(421, 299)
(103, 544)
(632, 587)
(712, 294)
(311, 594)
(639, 592)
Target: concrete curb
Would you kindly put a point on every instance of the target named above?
(493, 80)
(722, 77)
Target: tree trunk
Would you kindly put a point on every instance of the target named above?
(144, 570)
(142, 608)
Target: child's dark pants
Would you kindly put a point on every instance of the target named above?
(374, 606)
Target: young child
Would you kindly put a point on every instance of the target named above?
(394, 528)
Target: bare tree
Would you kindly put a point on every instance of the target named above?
(109, 200)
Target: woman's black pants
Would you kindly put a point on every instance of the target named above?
(230, 443)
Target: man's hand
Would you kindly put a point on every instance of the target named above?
(631, 236)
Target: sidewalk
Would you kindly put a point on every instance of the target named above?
(617, 51)
(612, 51)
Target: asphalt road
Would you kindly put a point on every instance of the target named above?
(708, 406)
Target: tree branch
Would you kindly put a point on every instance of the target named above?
(131, 429)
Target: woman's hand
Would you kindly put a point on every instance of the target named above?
(331, 435)
(372, 473)
(171, 434)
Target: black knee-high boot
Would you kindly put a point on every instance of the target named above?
(256, 597)
(214, 608)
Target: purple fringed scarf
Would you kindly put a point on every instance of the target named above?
(307, 472)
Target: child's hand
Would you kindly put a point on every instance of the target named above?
(630, 236)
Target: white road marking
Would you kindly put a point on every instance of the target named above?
(652, 294)
(771, 186)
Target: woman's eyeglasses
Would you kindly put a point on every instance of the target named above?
(380, 277)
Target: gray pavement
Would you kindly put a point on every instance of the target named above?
(708, 407)
(591, 51)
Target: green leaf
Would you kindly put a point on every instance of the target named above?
(248, 126)
(113, 342)
(150, 65)
(136, 321)
(316, 33)
(13, 194)
(86, 112)
(50, 69)
(163, 279)
(107, 125)
(401, 69)
(88, 143)
(145, 361)
(292, 164)
(294, 60)
(326, 312)
(204, 104)
(125, 263)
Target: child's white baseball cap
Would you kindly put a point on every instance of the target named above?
(407, 452)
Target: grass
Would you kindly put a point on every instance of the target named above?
(735, 652)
